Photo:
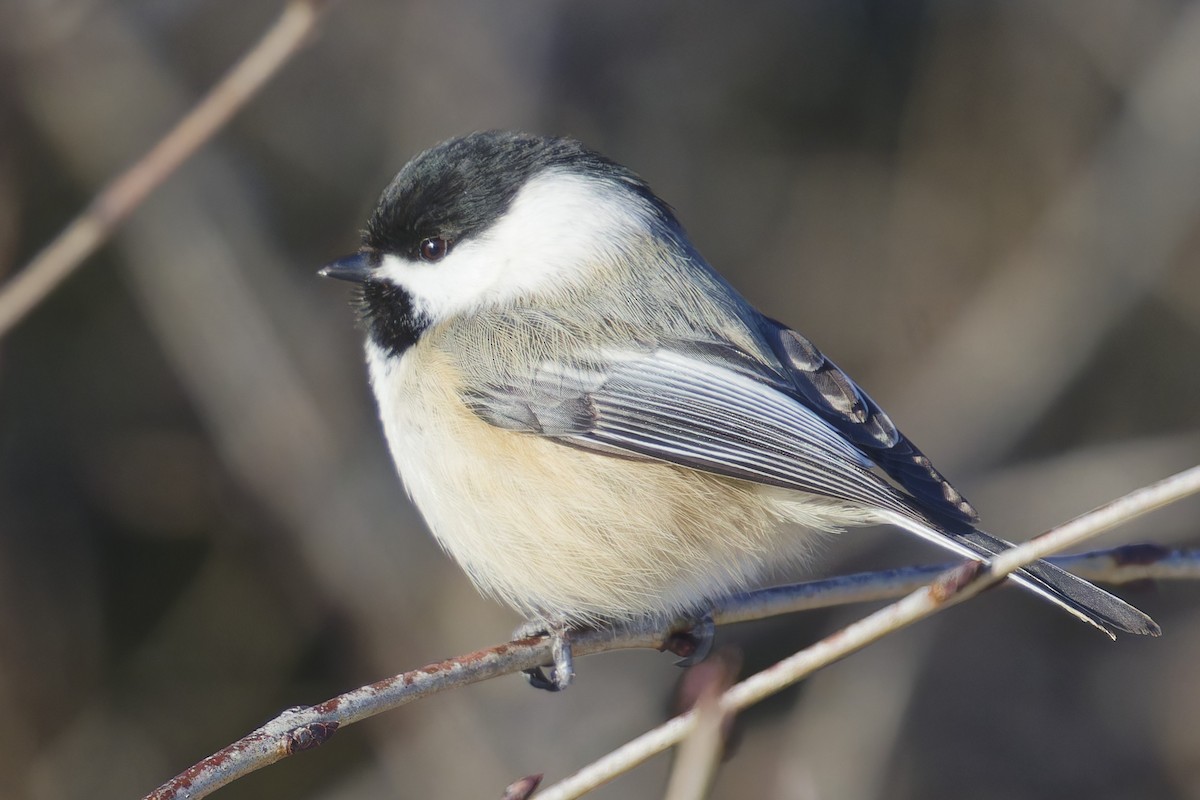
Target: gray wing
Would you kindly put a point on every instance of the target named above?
(693, 408)
(821, 386)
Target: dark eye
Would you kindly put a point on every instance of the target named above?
(434, 248)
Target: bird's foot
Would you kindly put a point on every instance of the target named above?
(562, 669)
(695, 643)
(692, 644)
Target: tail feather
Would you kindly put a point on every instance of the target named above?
(1084, 600)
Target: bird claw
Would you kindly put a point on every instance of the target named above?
(695, 643)
(562, 669)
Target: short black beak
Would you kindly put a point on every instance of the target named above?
(356, 268)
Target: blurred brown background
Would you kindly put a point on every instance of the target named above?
(987, 212)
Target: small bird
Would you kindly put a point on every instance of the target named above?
(595, 424)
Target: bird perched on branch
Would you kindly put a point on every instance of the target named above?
(595, 424)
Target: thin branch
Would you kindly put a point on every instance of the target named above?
(522, 789)
(700, 753)
(62, 256)
(951, 587)
(304, 728)
(1133, 562)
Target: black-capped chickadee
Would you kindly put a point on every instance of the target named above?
(596, 425)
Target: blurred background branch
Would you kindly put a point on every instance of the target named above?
(84, 234)
(1098, 250)
(985, 212)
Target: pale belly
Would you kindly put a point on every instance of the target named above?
(562, 532)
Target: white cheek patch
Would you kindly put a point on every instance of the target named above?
(558, 226)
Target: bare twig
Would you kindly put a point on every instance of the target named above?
(950, 588)
(32, 284)
(304, 728)
(307, 727)
(522, 789)
(696, 764)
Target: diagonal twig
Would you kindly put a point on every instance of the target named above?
(96, 223)
(951, 587)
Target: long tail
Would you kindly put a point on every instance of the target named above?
(1084, 600)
